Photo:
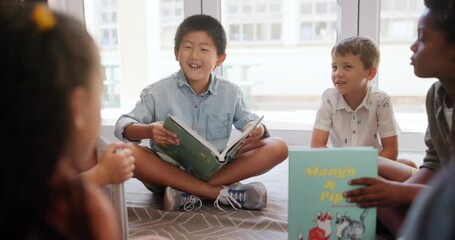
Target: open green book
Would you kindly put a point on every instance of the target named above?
(317, 179)
(196, 154)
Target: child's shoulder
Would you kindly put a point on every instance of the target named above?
(378, 97)
(330, 93)
(163, 84)
(223, 84)
(435, 91)
(436, 87)
(377, 93)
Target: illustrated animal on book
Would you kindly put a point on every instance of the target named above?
(324, 228)
(348, 228)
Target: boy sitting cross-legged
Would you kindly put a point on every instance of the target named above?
(210, 105)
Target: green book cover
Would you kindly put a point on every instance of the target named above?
(196, 154)
(317, 178)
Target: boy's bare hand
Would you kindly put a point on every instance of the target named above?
(377, 192)
(161, 135)
(253, 141)
(255, 135)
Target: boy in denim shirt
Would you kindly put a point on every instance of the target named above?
(210, 105)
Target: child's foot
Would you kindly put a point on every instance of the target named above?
(175, 200)
(249, 196)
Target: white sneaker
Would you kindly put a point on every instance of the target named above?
(175, 200)
(249, 196)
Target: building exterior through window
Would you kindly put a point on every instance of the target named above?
(278, 52)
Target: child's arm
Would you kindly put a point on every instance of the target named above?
(323, 122)
(255, 135)
(319, 138)
(389, 147)
(103, 220)
(153, 131)
(114, 166)
(379, 192)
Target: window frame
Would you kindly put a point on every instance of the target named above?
(356, 17)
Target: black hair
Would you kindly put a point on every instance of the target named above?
(206, 23)
(444, 12)
(39, 69)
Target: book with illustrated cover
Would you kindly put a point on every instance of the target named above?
(196, 154)
(317, 180)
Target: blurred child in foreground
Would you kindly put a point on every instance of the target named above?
(433, 56)
(50, 94)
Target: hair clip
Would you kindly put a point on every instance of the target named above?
(43, 17)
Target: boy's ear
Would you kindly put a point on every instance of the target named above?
(220, 60)
(176, 53)
(372, 73)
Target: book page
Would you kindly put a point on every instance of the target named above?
(234, 145)
(194, 154)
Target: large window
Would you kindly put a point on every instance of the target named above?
(255, 22)
(132, 57)
(278, 51)
(317, 21)
(284, 72)
(108, 22)
(398, 31)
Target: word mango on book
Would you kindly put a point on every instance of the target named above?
(317, 180)
(195, 153)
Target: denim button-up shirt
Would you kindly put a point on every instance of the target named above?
(211, 114)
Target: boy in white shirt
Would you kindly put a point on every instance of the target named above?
(356, 113)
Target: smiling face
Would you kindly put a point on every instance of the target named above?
(433, 55)
(349, 76)
(197, 57)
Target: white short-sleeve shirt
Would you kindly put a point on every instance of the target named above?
(365, 126)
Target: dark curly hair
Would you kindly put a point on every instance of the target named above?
(444, 12)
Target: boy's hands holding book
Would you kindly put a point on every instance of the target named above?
(197, 155)
(254, 137)
(161, 135)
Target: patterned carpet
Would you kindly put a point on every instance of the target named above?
(145, 215)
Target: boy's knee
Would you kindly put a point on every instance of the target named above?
(410, 163)
(141, 153)
(279, 148)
